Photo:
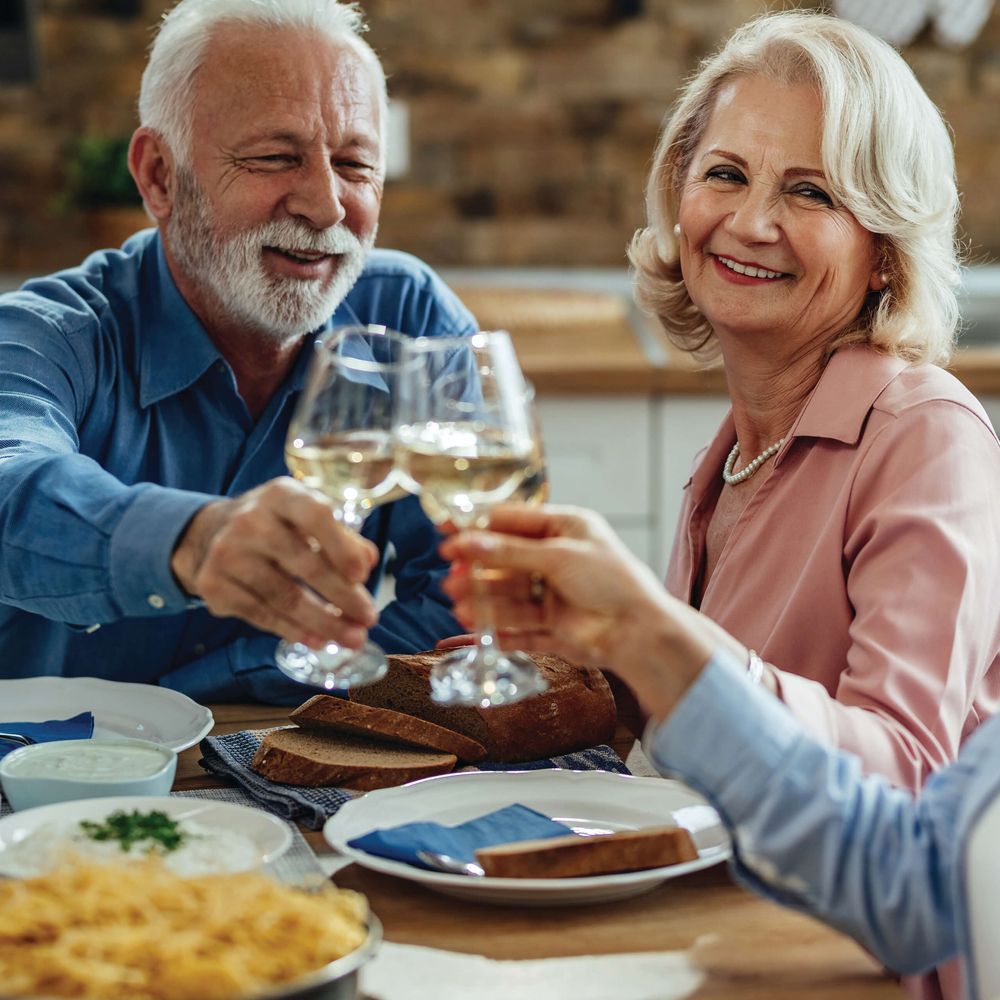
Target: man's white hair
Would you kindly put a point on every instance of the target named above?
(167, 92)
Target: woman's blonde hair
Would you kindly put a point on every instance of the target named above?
(887, 154)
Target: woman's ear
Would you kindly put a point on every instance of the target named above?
(881, 273)
(151, 165)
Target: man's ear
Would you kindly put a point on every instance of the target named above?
(152, 167)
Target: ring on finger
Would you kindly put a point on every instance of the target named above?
(538, 589)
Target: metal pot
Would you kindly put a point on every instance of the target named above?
(336, 981)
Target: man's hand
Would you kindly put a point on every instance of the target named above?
(277, 558)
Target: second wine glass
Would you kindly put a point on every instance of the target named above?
(467, 441)
(340, 442)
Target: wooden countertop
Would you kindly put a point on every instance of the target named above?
(747, 947)
(584, 343)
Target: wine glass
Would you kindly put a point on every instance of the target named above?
(534, 488)
(340, 441)
(467, 440)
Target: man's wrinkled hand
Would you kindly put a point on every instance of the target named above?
(277, 558)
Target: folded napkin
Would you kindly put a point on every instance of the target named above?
(230, 756)
(504, 826)
(80, 727)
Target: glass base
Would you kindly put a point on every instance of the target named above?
(485, 677)
(331, 666)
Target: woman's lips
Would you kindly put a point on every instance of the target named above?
(746, 274)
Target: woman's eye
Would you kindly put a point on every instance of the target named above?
(813, 194)
(730, 174)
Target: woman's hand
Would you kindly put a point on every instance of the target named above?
(559, 580)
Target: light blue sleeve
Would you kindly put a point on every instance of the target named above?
(811, 831)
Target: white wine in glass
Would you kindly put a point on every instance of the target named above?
(468, 441)
(340, 442)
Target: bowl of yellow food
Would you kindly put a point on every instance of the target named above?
(97, 931)
(45, 773)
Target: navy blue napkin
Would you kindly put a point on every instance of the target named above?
(80, 727)
(229, 757)
(504, 826)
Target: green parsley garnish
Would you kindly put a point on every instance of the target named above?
(135, 827)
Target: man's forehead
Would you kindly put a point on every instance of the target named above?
(263, 70)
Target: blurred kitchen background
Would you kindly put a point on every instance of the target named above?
(521, 133)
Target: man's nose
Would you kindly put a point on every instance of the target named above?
(755, 219)
(315, 196)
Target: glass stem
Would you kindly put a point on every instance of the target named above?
(485, 627)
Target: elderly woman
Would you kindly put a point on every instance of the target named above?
(845, 521)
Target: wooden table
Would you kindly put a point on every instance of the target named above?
(750, 949)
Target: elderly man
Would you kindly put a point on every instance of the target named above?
(148, 530)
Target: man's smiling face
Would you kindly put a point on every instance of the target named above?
(278, 205)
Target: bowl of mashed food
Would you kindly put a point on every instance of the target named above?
(44, 773)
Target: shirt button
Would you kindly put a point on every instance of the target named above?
(155, 601)
(199, 648)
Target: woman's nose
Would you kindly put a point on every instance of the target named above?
(755, 220)
(315, 196)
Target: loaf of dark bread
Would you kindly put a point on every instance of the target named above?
(301, 757)
(573, 856)
(576, 712)
(324, 713)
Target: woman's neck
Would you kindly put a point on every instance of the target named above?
(768, 390)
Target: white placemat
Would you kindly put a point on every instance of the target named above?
(408, 972)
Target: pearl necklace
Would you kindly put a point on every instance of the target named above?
(732, 478)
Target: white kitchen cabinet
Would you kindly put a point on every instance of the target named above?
(628, 457)
(600, 455)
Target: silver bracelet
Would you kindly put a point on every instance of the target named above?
(755, 667)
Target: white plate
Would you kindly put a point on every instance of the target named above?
(143, 711)
(271, 836)
(586, 801)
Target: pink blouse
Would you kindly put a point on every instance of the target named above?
(866, 568)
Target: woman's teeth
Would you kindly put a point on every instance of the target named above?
(748, 269)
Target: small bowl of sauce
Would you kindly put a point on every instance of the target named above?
(44, 773)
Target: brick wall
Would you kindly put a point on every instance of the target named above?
(532, 123)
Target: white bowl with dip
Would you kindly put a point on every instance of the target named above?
(61, 771)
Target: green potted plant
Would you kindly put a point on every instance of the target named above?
(99, 185)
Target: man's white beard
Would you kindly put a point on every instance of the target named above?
(232, 270)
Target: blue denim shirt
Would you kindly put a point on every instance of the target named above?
(119, 419)
(810, 830)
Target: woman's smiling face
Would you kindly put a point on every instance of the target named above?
(765, 248)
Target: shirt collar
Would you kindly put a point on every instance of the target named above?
(837, 408)
(175, 349)
(847, 389)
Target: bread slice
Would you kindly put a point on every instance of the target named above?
(325, 713)
(300, 757)
(601, 854)
(576, 712)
